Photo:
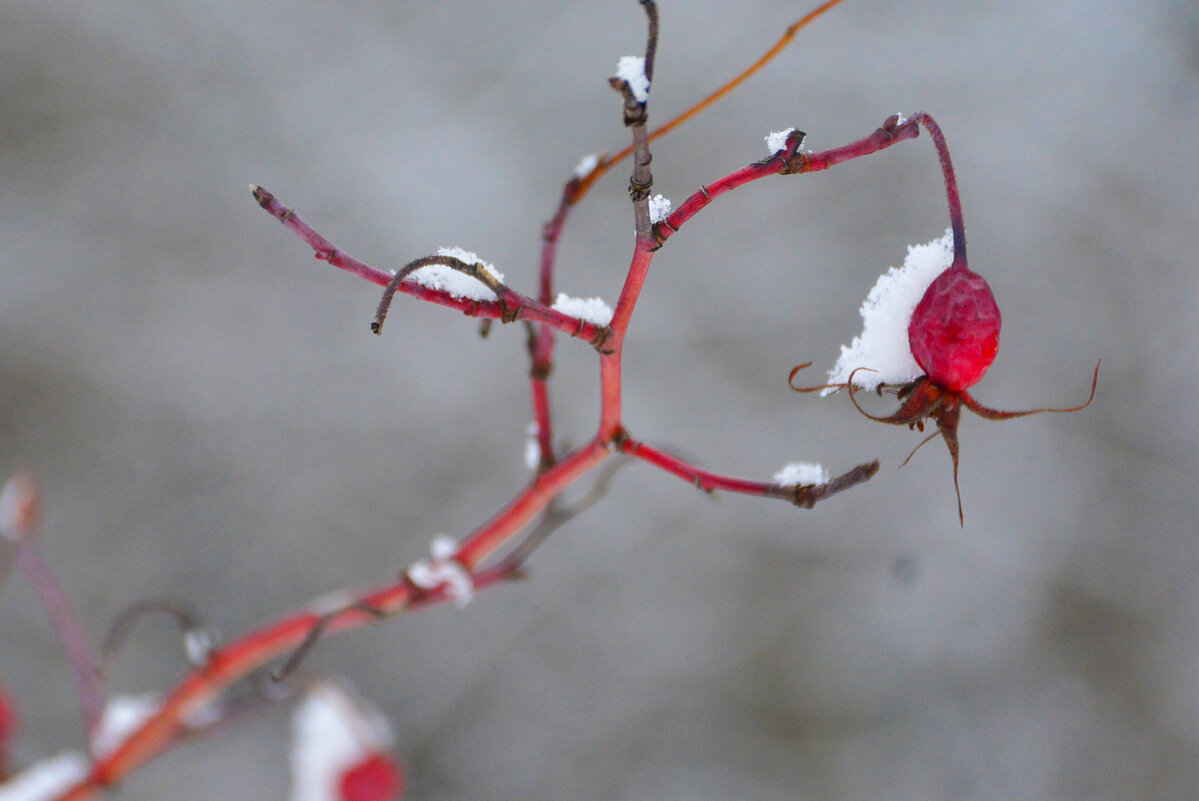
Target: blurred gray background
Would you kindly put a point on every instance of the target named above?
(212, 419)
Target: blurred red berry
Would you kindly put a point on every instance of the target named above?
(8, 727)
(377, 777)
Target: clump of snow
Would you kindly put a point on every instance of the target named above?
(443, 569)
(882, 347)
(900, 119)
(777, 140)
(467, 257)
(458, 284)
(631, 70)
(801, 473)
(46, 779)
(122, 716)
(593, 310)
(198, 643)
(659, 208)
(332, 732)
(586, 166)
(532, 447)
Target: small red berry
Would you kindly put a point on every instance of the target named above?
(377, 777)
(8, 727)
(954, 331)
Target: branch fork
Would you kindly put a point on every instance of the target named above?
(457, 569)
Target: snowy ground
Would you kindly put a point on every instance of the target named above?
(213, 420)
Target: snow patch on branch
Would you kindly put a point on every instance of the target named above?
(591, 310)
(444, 570)
(659, 208)
(532, 446)
(586, 166)
(882, 347)
(777, 140)
(122, 716)
(631, 70)
(801, 474)
(46, 779)
(459, 284)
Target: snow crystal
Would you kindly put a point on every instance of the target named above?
(631, 70)
(801, 473)
(122, 716)
(659, 208)
(46, 779)
(883, 344)
(586, 166)
(532, 447)
(332, 732)
(777, 140)
(593, 310)
(443, 569)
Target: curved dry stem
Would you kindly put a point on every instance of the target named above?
(923, 442)
(988, 413)
(805, 365)
(315, 633)
(897, 419)
(473, 270)
(184, 614)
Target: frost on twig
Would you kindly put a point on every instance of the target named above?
(882, 349)
(777, 140)
(659, 208)
(631, 71)
(442, 570)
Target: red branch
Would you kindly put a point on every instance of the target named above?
(235, 661)
(510, 307)
(238, 659)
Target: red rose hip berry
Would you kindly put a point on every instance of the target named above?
(954, 331)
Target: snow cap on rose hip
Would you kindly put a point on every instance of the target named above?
(341, 749)
(932, 328)
(931, 331)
